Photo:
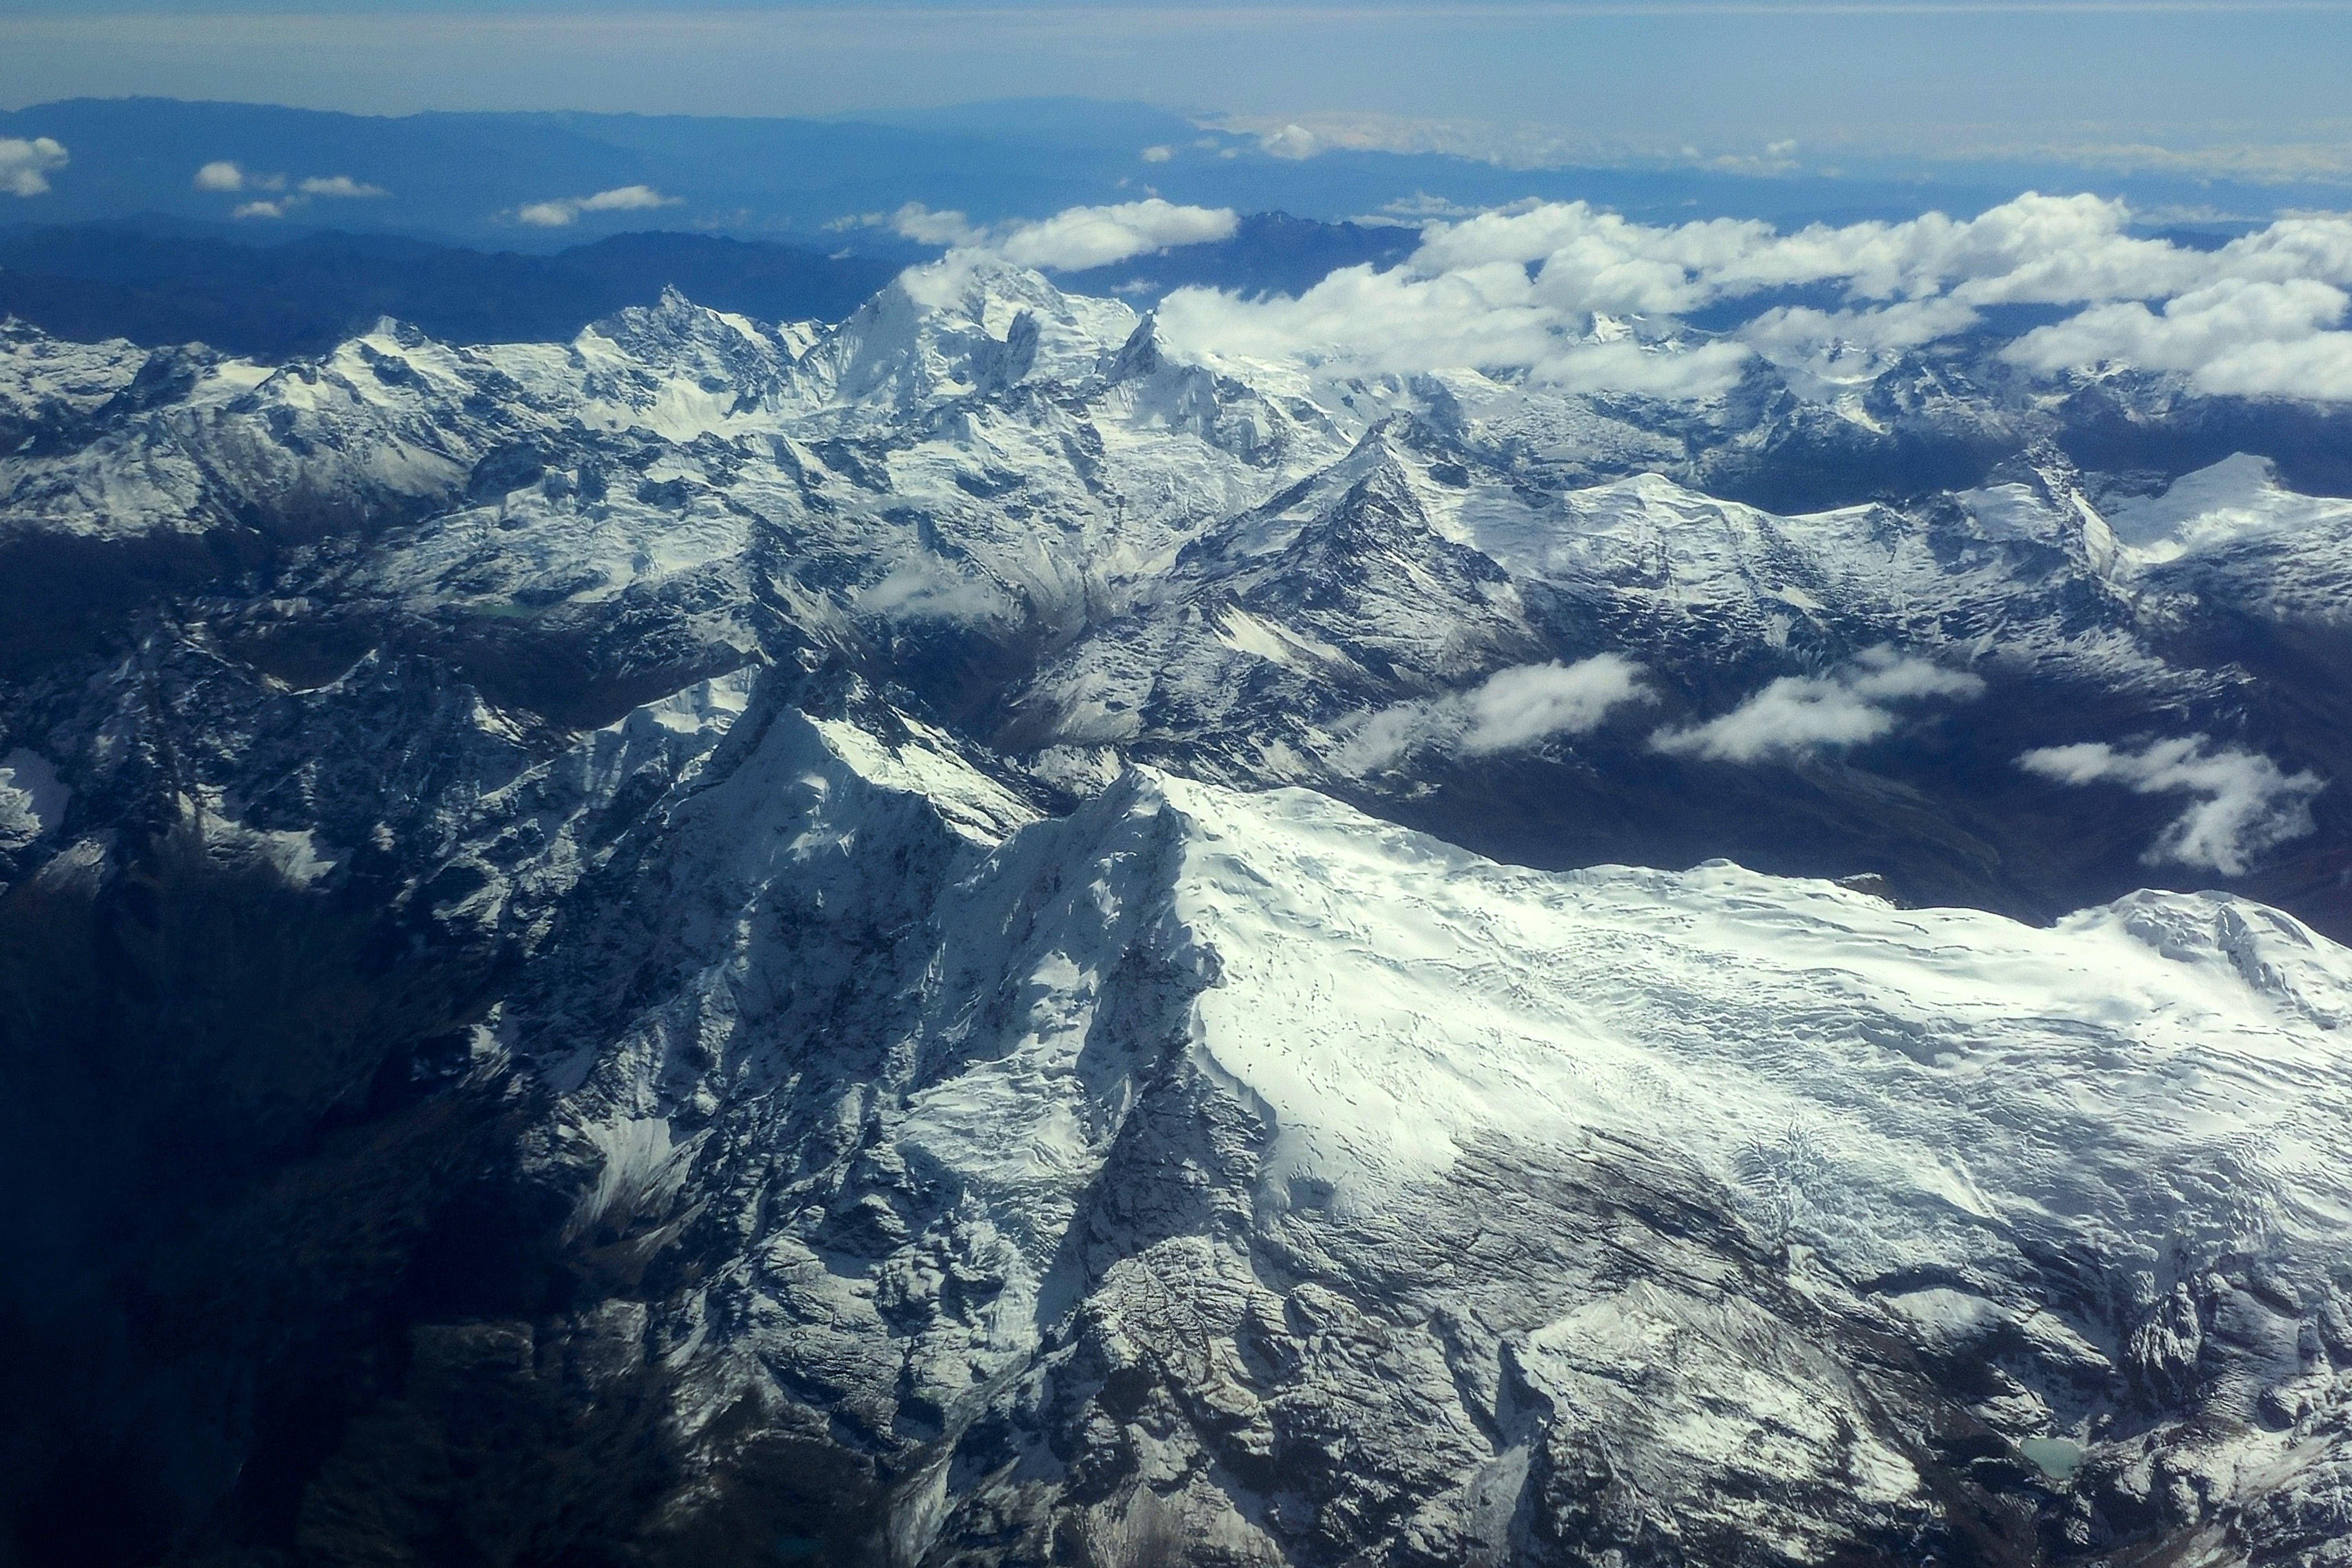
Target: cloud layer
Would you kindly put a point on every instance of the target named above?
(1546, 289)
(1510, 710)
(2245, 803)
(1071, 240)
(26, 164)
(1797, 713)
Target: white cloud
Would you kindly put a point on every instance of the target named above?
(1422, 205)
(1812, 713)
(1069, 241)
(626, 199)
(225, 175)
(919, 223)
(1158, 154)
(2247, 804)
(1096, 236)
(2035, 249)
(1290, 142)
(1791, 335)
(1535, 145)
(1508, 711)
(927, 590)
(340, 185)
(1511, 146)
(25, 164)
(2229, 337)
(1489, 315)
(566, 210)
(1519, 289)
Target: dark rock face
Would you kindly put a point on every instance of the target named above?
(584, 977)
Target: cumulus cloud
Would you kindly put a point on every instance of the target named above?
(1510, 710)
(1290, 140)
(626, 198)
(556, 213)
(2245, 803)
(229, 177)
(1486, 316)
(1160, 154)
(1795, 335)
(26, 164)
(1546, 289)
(341, 185)
(2234, 336)
(921, 223)
(1811, 713)
(1096, 236)
(2035, 249)
(1069, 241)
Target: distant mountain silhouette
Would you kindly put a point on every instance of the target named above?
(160, 280)
(155, 286)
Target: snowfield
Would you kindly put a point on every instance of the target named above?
(1359, 1191)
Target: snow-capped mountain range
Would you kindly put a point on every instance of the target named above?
(980, 936)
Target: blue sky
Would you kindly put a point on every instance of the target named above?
(2219, 81)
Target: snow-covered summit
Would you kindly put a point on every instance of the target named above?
(966, 324)
(1337, 1192)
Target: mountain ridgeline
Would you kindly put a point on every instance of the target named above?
(160, 283)
(947, 935)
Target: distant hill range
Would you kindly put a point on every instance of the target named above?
(162, 281)
(528, 181)
(94, 281)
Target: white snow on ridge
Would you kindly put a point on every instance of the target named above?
(32, 797)
(2159, 1079)
(1965, 1079)
(2151, 1091)
(2237, 499)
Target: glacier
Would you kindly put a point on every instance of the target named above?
(1239, 1161)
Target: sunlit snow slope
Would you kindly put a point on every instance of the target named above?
(1243, 1168)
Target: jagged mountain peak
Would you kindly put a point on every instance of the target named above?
(1172, 1071)
(967, 323)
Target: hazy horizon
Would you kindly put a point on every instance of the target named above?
(2191, 89)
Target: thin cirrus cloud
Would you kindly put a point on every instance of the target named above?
(1071, 240)
(1522, 291)
(1509, 711)
(1800, 714)
(273, 195)
(26, 163)
(2244, 803)
(566, 210)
